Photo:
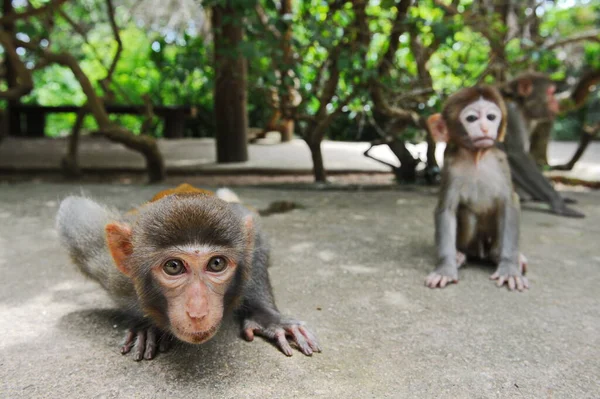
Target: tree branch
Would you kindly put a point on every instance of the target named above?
(14, 16)
(585, 36)
(264, 20)
(23, 75)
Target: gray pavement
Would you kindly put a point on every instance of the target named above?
(351, 264)
(193, 156)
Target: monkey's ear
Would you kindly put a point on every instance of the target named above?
(118, 238)
(437, 127)
(524, 87)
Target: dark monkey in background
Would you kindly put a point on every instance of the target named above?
(478, 212)
(177, 264)
(530, 96)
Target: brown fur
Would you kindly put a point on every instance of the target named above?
(459, 100)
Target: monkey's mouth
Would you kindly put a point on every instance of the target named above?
(195, 337)
(483, 142)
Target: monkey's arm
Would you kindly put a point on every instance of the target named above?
(445, 238)
(525, 172)
(508, 233)
(259, 314)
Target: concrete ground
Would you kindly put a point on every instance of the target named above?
(197, 156)
(351, 264)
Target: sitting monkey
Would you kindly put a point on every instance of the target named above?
(176, 264)
(478, 212)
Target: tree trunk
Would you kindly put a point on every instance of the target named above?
(540, 138)
(317, 159)
(287, 124)
(70, 162)
(230, 85)
(143, 144)
(407, 172)
(12, 123)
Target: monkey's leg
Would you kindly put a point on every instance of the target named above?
(260, 316)
(465, 235)
(445, 238)
(508, 270)
(527, 176)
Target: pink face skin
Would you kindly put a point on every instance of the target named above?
(194, 282)
(481, 120)
(553, 105)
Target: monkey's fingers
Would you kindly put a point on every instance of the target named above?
(165, 342)
(299, 339)
(519, 282)
(150, 344)
(140, 346)
(310, 338)
(249, 328)
(129, 341)
(249, 334)
(432, 280)
(282, 342)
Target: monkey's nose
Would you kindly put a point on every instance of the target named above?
(197, 309)
(196, 314)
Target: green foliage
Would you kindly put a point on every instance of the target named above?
(177, 68)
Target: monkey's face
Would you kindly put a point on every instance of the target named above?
(194, 281)
(540, 102)
(186, 256)
(481, 121)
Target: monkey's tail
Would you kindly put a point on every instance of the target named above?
(80, 223)
(228, 195)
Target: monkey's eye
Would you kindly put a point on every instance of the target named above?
(471, 118)
(491, 117)
(217, 264)
(173, 267)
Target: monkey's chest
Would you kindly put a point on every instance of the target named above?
(482, 189)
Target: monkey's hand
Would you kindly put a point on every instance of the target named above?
(145, 340)
(277, 329)
(510, 274)
(443, 275)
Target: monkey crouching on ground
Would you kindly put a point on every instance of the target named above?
(177, 264)
(478, 212)
(530, 97)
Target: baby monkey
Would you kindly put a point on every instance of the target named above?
(177, 264)
(478, 212)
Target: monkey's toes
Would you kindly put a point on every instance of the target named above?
(513, 282)
(435, 280)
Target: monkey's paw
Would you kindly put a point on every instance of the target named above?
(441, 277)
(145, 342)
(280, 331)
(511, 276)
(563, 210)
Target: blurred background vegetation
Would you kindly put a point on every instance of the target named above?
(173, 63)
